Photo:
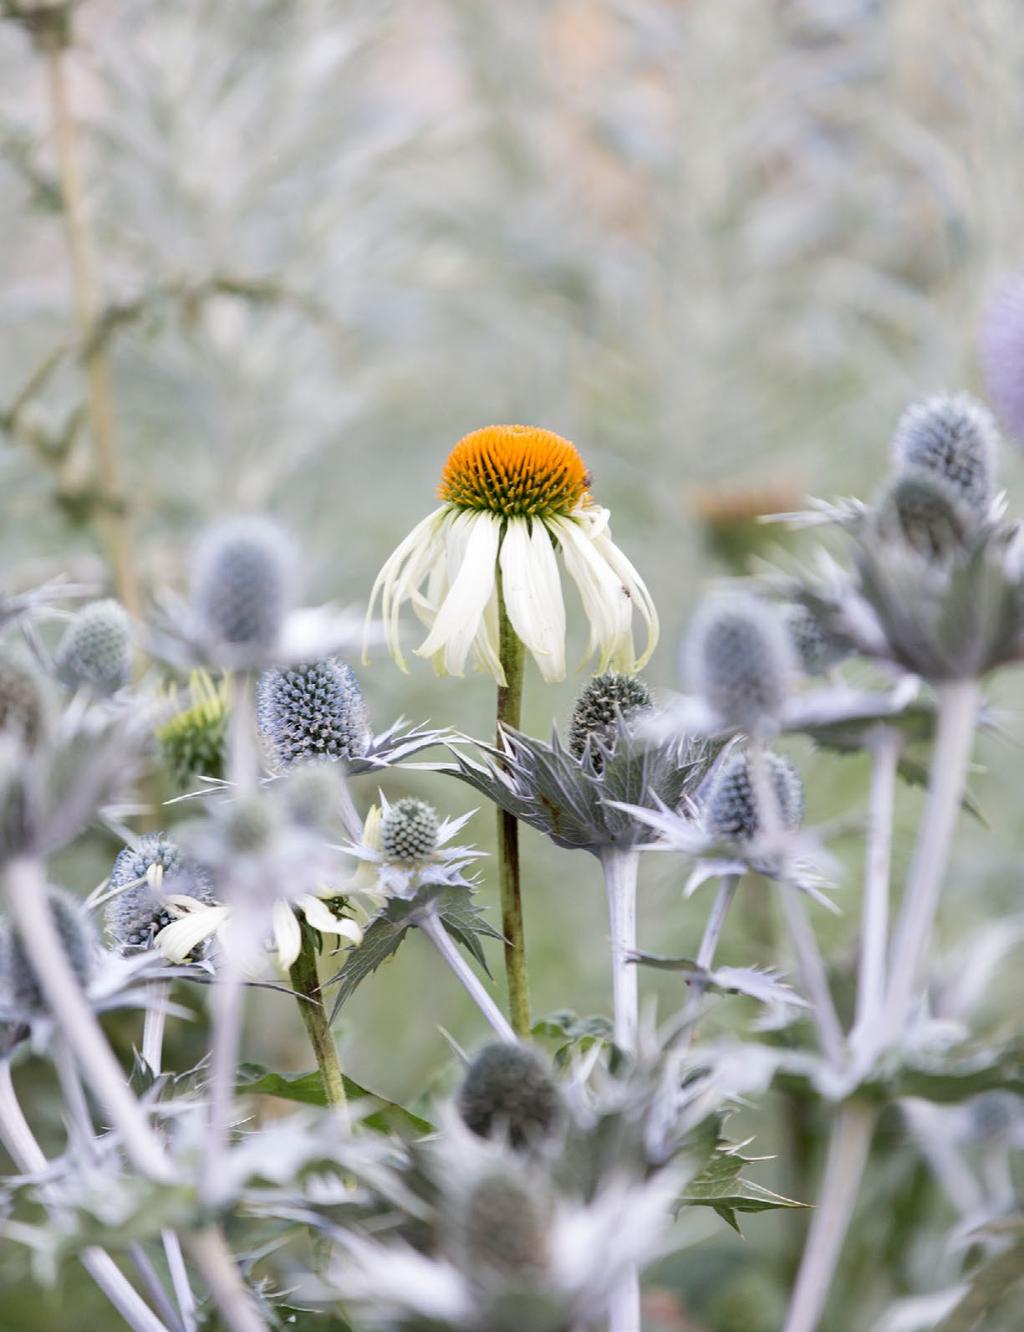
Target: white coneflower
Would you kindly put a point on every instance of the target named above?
(512, 496)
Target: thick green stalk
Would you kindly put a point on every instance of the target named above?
(510, 706)
(306, 982)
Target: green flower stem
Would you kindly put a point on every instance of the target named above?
(510, 706)
(306, 982)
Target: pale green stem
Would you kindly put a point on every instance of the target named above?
(306, 982)
(509, 710)
(848, 1149)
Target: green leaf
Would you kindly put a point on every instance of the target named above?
(467, 926)
(575, 1033)
(381, 941)
(307, 1089)
(721, 1187)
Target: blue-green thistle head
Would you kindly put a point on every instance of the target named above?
(136, 915)
(22, 991)
(928, 513)
(96, 650)
(409, 829)
(740, 659)
(502, 1226)
(603, 703)
(817, 651)
(953, 438)
(312, 712)
(731, 806)
(509, 1090)
(242, 582)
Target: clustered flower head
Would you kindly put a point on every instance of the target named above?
(312, 711)
(731, 811)
(740, 660)
(816, 649)
(408, 830)
(508, 1091)
(21, 992)
(192, 742)
(953, 437)
(1002, 353)
(141, 878)
(96, 650)
(604, 702)
(242, 583)
(512, 497)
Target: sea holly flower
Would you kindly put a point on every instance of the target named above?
(312, 711)
(135, 897)
(405, 849)
(96, 650)
(513, 497)
(741, 662)
(508, 1092)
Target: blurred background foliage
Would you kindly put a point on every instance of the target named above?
(717, 245)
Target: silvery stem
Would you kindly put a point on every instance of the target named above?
(958, 712)
(227, 1004)
(706, 956)
(621, 867)
(812, 971)
(885, 750)
(848, 1149)
(20, 1143)
(624, 1305)
(433, 928)
(153, 1023)
(232, 1297)
(24, 887)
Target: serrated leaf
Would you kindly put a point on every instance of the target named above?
(381, 942)
(721, 1186)
(577, 1033)
(467, 926)
(307, 1089)
(762, 985)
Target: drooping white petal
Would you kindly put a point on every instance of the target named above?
(475, 535)
(532, 592)
(323, 919)
(402, 572)
(177, 940)
(287, 933)
(487, 644)
(639, 596)
(606, 602)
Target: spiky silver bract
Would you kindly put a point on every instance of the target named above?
(603, 702)
(312, 711)
(137, 914)
(242, 583)
(22, 991)
(508, 1090)
(96, 650)
(953, 437)
(740, 659)
(409, 830)
(1002, 353)
(731, 807)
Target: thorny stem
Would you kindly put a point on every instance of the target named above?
(25, 890)
(885, 751)
(306, 981)
(233, 1298)
(620, 868)
(958, 712)
(434, 929)
(23, 1149)
(848, 1149)
(510, 705)
(100, 395)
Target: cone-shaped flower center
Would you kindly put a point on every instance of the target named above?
(514, 470)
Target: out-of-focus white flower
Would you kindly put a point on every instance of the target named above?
(513, 496)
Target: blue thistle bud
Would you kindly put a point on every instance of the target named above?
(1002, 354)
(954, 438)
(135, 916)
(314, 711)
(242, 582)
(928, 513)
(96, 650)
(730, 809)
(408, 831)
(740, 659)
(816, 649)
(78, 940)
(22, 712)
(503, 1225)
(603, 702)
(508, 1089)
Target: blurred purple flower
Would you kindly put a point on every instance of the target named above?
(1001, 346)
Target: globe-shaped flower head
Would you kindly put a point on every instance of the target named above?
(731, 810)
(242, 582)
(409, 830)
(135, 916)
(952, 439)
(310, 712)
(603, 703)
(816, 649)
(513, 497)
(21, 991)
(1002, 354)
(502, 1225)
(96, 650)
(508, 1090)
(740, 659)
